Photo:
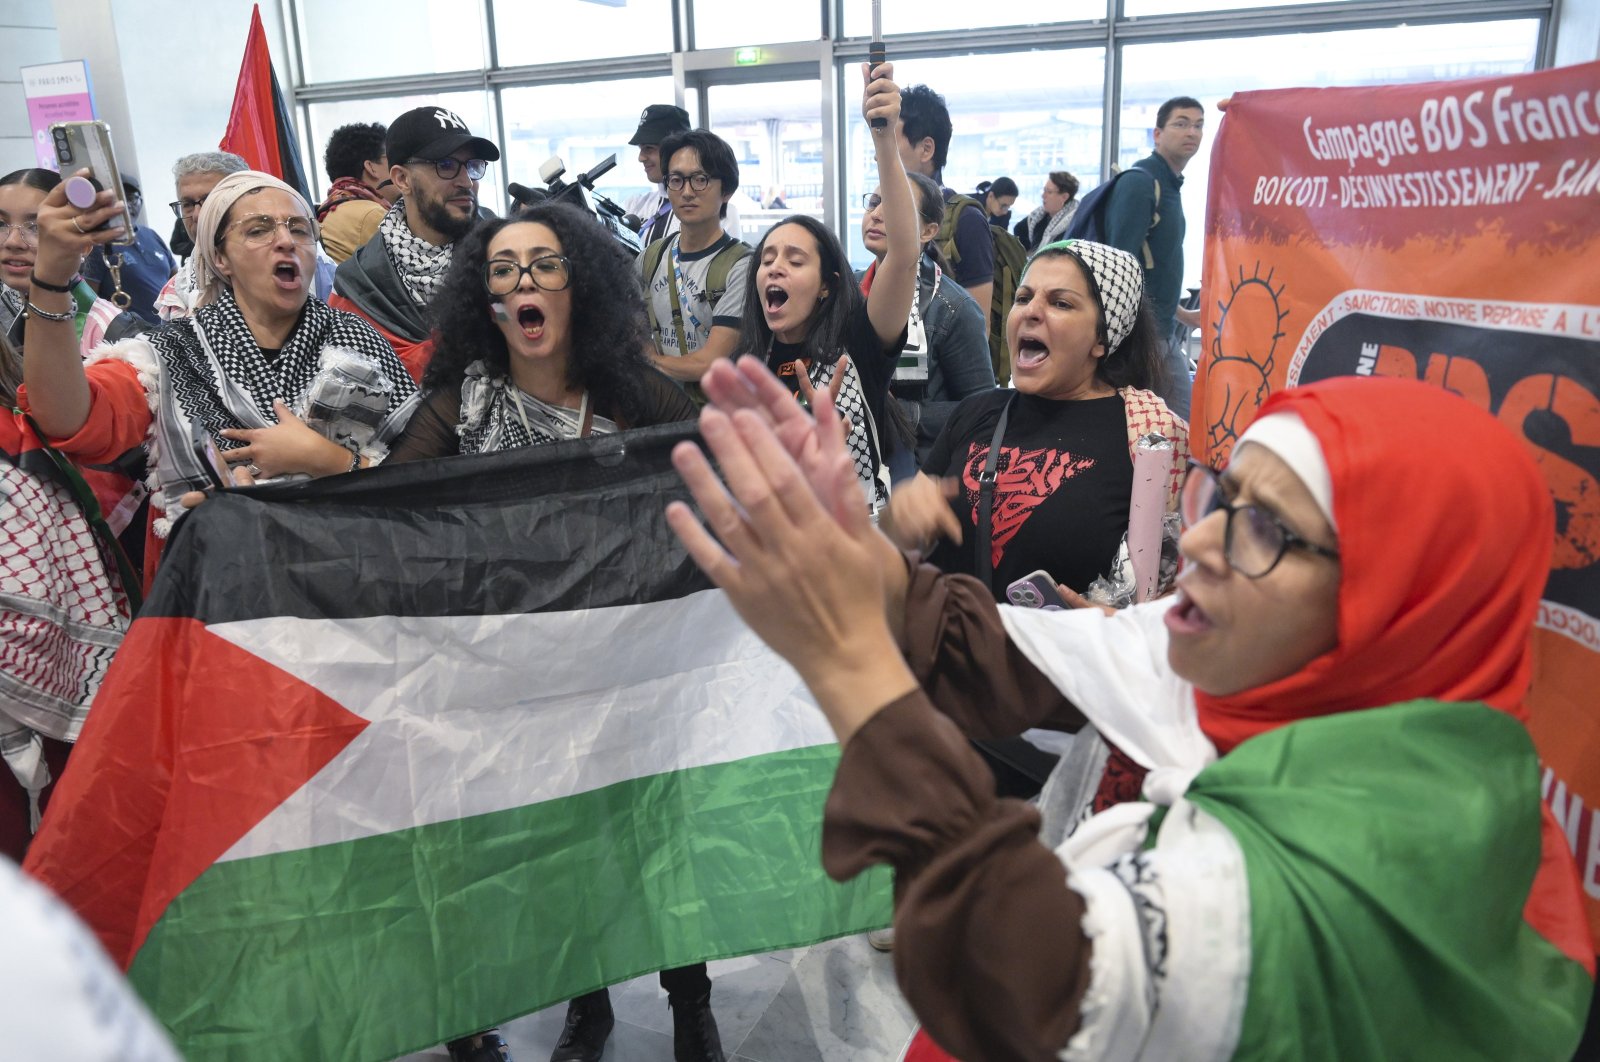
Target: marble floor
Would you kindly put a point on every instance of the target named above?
(831, 1002)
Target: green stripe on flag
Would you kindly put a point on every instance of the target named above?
(481, 919)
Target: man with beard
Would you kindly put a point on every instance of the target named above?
(436, 163)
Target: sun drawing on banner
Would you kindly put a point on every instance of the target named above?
(1243, 358)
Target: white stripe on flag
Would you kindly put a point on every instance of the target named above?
(476, 714)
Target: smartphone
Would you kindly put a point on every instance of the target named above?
(80, 144)
(1036, 590)
(205, 448)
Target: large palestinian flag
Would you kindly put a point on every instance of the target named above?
(396, 756)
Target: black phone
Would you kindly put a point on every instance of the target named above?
(81, 144)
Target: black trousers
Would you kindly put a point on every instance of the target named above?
(681, 983)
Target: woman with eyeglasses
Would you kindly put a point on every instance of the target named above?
(1340, 849)
(94, 319)
(541, 337)
(263, 372)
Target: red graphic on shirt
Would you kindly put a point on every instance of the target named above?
(1023, 479)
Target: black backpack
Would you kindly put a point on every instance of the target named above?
(1089, 220)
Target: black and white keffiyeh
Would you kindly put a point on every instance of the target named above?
(421, 265)
(207, 370)
(11, 306)
(1056, 226)
(1117, 283)
(491, 420)
(865, 450)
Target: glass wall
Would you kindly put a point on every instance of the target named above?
(1027, 86)
(1014, 114)
(1211, 70)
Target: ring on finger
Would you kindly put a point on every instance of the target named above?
(253, 468)
(81, 230)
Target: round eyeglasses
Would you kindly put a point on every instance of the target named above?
(872, 201)
(551, 272)
(1254, 540)
(698, 181)
(259, 230)
(448, 167)
(28, 230)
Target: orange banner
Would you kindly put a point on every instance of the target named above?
(1447, 232)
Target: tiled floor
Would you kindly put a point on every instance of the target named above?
(832, 1002)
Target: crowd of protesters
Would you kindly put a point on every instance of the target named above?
(859, 427)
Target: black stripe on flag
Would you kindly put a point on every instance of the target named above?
(543, 528)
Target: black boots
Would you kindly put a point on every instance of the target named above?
(694, 1030)
(589, 1022)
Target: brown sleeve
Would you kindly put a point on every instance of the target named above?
(431, 431)
(988, 948)
(960, 653)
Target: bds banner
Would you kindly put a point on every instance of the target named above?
(1447, 232)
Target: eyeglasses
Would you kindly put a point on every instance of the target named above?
(1252, 547)
(551, 272)
(184, 208)
(872, 201)
(259, 230)
(29, 230)
(1183, 125)
(698, 181)
(448, 167)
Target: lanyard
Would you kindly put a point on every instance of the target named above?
(681, 292)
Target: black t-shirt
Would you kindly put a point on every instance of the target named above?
(1062, 487)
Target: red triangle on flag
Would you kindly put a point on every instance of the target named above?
(192, 741)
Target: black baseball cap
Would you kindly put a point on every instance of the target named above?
(433, 133)
(659, 121)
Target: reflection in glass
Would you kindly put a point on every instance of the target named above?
(775, 130)
(474, 108)
(1018, 114)
(562, 31)
(1210, 70)
(582, 122)
(344, 42)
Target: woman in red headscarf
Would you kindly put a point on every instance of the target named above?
(1341, 853)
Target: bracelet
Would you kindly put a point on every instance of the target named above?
(59, 289)
(46, 315)
(355, 461)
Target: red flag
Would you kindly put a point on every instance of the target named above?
(259, 129)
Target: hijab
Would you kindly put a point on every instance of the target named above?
(209, 281)
(1445, 533)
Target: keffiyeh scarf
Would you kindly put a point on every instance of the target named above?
(421, 265)
(207, 370)
(491, 421)
(1057, 226)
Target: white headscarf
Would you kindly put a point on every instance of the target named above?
(209, 281)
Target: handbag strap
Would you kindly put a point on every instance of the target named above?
(90, 506)
(983, 560)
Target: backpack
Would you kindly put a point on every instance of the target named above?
(1089, 221)
(1009, 260)
(722, 264)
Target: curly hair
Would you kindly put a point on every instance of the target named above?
(608, 327)
(351, 147)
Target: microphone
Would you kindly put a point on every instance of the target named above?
(633, 221)
(524, 195)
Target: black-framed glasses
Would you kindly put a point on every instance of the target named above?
(551, 272)
(698, 181)
(187, 207)
(449, 166)
(259, 230)
(872, 201)
(1252, 545)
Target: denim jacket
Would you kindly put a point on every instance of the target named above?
(958, 354)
